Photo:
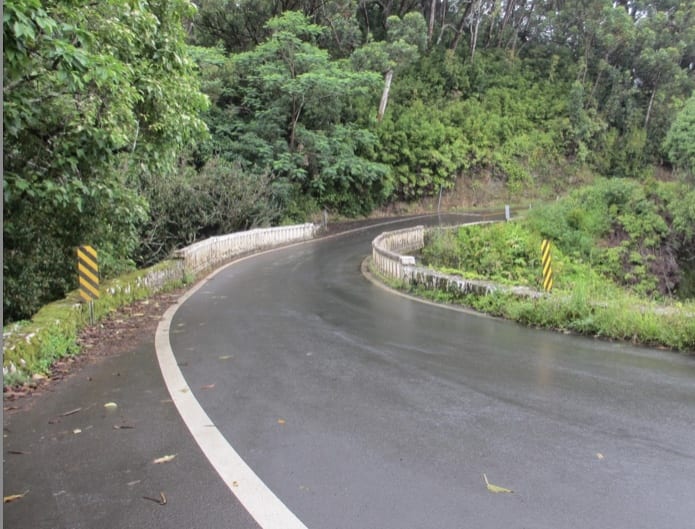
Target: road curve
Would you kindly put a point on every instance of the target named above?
(361, 409)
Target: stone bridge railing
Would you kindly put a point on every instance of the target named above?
(206, 254)
(387, 247)
(389, 259)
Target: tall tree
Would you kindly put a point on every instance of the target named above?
(299, 114)
(90, 92)
(680, 140)
(406, 38)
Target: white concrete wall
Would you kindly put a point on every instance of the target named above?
(388, 260)
(387, 247)
(210, 252)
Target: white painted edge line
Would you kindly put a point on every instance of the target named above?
(260, 502)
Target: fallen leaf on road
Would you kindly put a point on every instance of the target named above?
(110, 405)
(281, 421)
(13, 497)
(164, 459)
(71, 412)
(208, 386)
(495, 488)
(162, 500)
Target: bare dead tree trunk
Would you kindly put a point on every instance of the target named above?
(508, 12)
(649, 108)
(388, 76)
(430, 29)
(474, 37)
(459, 29)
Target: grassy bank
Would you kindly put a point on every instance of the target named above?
(585, 299)
(585, 311)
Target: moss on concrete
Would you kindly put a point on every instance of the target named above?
(31, 347)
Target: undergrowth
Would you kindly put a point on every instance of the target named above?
(615, 260)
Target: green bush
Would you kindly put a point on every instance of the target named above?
(219, 198)
(502, 252)
(639, 235)
(610, 243)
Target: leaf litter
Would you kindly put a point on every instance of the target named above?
(14, 497)
(164, 459)
(162, 500)
(496, 488)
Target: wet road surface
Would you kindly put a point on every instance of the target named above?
(359, 408)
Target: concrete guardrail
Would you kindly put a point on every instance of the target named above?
(208, 253)
(388, 260)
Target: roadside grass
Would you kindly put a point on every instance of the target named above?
(583, 300)
(627, 318)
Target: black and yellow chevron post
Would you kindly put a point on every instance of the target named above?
(88, 272)
(547, 259)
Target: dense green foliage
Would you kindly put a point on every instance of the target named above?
(680, 140)
(141, 125)
(510, 123)
(96, 96)
(618, 247)
(640, 237)
(191, 205)
(507, 253)
(296, 114)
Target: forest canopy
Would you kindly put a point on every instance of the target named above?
(141, 125)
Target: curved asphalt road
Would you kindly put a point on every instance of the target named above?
(361, 409)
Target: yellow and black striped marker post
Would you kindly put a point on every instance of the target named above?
(88, 271)
(546, 259)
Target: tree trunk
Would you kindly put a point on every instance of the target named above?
(296, 112)
(508, 12)
(649, 108)
(430, 29)
(388, 76)
(474, 37)
(493, 16)
(363, 5)
(459, 30)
